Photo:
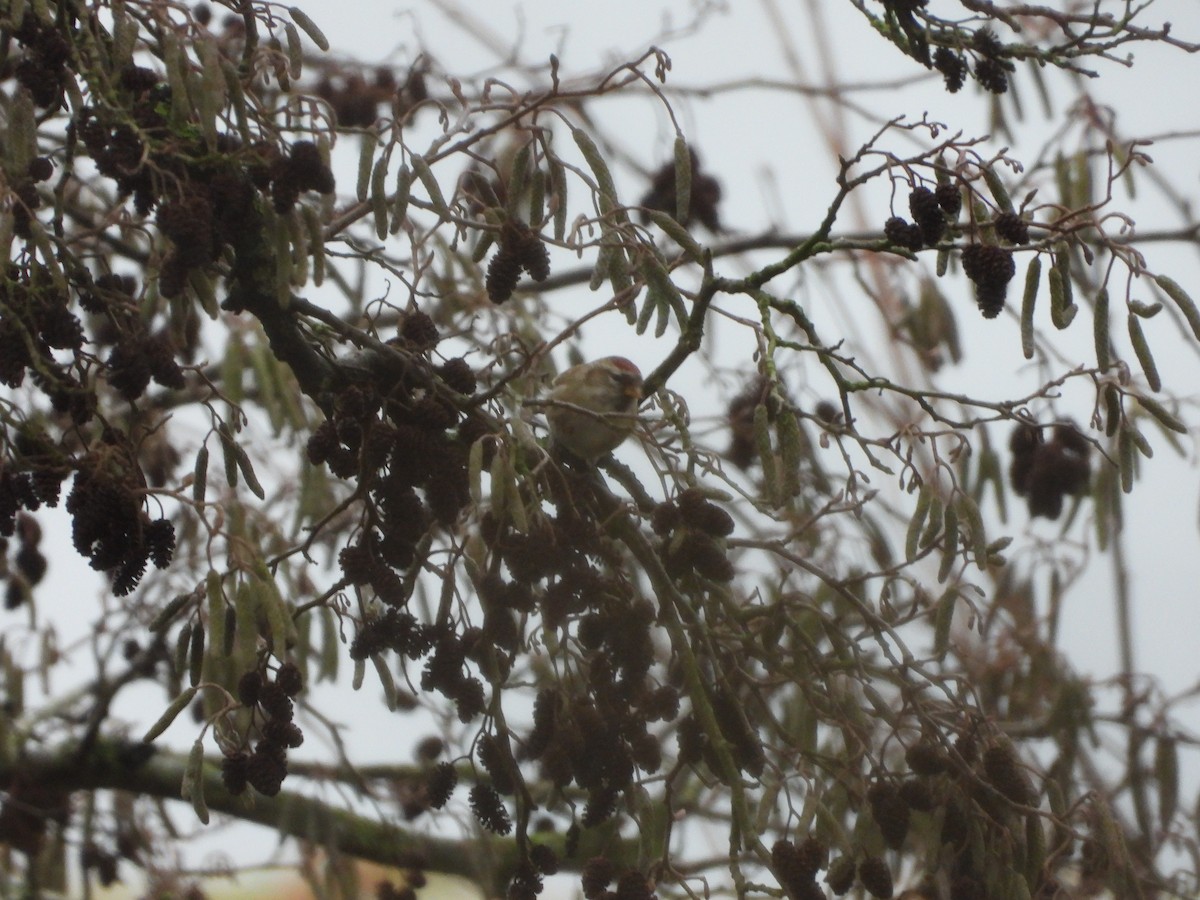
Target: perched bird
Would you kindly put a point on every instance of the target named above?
(593, 406)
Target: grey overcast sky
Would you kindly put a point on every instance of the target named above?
(775, 161)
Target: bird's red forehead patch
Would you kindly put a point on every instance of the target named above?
(625, 365)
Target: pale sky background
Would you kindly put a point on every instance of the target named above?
(775, 165)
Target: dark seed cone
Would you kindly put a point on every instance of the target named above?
(1005, 775)
(953, 68)
(600, 807)
(289, 679)
(662, 704)
(276, 703)
(840, 876)
(890, 812)
(234, 771)
(534, 256)
(526, 883)
(665, 518)
(267, 768)
(991, 75)
(702, 514)
(985, 41)
(494, 760)
(440, 784)
(903, 233)
(813, 855)
(249, 686)
(875, 876)
(926, 758)
(1012, 228)
(785, 862)
(916, 793)
(458, 375)
(544, 859)
(982, 262)
(633, 885)
(956, 825)
(927, 213)
(966, 745)
(282, 734)
(503, 273)
(990, 299)
(419, 330)
(486, 805)
(1069, 438)
(990, 269)
(949, 198)
(700, 553)
(598, 873)
(160, 541)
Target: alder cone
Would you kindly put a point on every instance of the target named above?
(949, 198)
(991, 75)
(503, 273)
(1005, 775)
(440, 784)
(598, 873)
(813, 854)
(789, 869)
(990, 269)
(916, 793)
(840, 876)
(419, 329)
(534, 256)
(875, 876)
(903, 233)
(891, 813)
(1012, 228)
(926, 758)
(927, 213)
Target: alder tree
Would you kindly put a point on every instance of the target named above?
(278, 327)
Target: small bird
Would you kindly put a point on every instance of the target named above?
(594, 406)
